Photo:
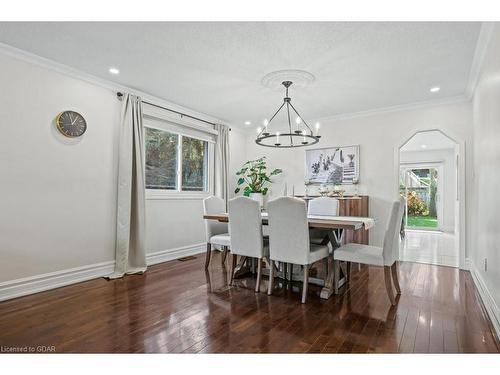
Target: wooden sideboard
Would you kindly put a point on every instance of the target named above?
(352, 206)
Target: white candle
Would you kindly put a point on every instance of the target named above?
(303, 135)
(259, 129)
(277, 137)
(266, 122)
(317, 129)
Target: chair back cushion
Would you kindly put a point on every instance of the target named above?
(288, 230)
(323, 206)
(391, 240)
(246, 227)
(211, 206)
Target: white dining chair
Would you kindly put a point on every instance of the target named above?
(246, 234)
(322, 206)
(217, 233)
(289, 238)
(385, 256)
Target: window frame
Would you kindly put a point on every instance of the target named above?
(155, 194)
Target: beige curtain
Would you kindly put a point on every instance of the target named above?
(221, 171)
(130, 251)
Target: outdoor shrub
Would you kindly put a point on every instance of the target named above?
(416, 205)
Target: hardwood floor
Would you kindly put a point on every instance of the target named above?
(177, 307)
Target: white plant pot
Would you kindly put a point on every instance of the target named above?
(257, 197)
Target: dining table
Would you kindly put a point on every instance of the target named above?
(333, 228)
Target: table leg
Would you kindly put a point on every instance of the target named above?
(329, 288)
(240, 270)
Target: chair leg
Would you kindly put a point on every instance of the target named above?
(395, 280)
(325, 267)
(284, 268)
(290, 271)
(233, 266)
(388, 284)
(349, 269)
(234, 258)
(209, 253)
(259, 274)
(336, 271)
(305, 283)
(223, 255)
(271, 277)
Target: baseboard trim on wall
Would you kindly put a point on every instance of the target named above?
(171, 254)
(39, 283)
(488, 301)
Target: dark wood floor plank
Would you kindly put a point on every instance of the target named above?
(177, 307)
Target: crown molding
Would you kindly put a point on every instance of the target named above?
(31, 58)
(396, 108)
(385, 110)
(483, 41)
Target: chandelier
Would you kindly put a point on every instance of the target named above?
(297, 136)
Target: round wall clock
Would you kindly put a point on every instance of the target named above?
(71, 124)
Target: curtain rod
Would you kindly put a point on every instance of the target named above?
(120, 95)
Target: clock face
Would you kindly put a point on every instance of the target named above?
(71, 124)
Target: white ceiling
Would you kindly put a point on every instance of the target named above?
(216, 68)
(428, 140)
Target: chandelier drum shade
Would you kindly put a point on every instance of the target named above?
(299, 135)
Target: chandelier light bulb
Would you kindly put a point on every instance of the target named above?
(298, 120)
(317, 128)
(259, 129)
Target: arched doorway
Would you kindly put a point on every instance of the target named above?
(429, 171)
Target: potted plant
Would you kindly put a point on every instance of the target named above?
(254, 178)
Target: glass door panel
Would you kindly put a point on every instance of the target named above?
(420, 188)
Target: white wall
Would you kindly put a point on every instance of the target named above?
(57, 205)
(379, 136)
(238, 142)
(448, 179)
(57, 195)
(486, 240)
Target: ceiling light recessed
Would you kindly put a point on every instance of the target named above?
(423, 146)
(114, 70)
(248, 123)
(435, 89)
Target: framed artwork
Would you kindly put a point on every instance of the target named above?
(333, 165)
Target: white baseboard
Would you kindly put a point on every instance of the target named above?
(488, 301)
(171, 254)
(39, 283)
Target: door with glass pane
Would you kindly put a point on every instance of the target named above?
(421, 187)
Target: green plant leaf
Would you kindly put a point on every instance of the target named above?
(264, 191)
(236, 191)
(276, 171)
(241, 180)
(247, 191)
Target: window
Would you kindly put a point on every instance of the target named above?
(161, 159)
(194, 164)
(175, 162)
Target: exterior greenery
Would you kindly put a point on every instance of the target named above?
(422, 221)
(254, 178)
(421, 200)
(162, 160)
(194, 164)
